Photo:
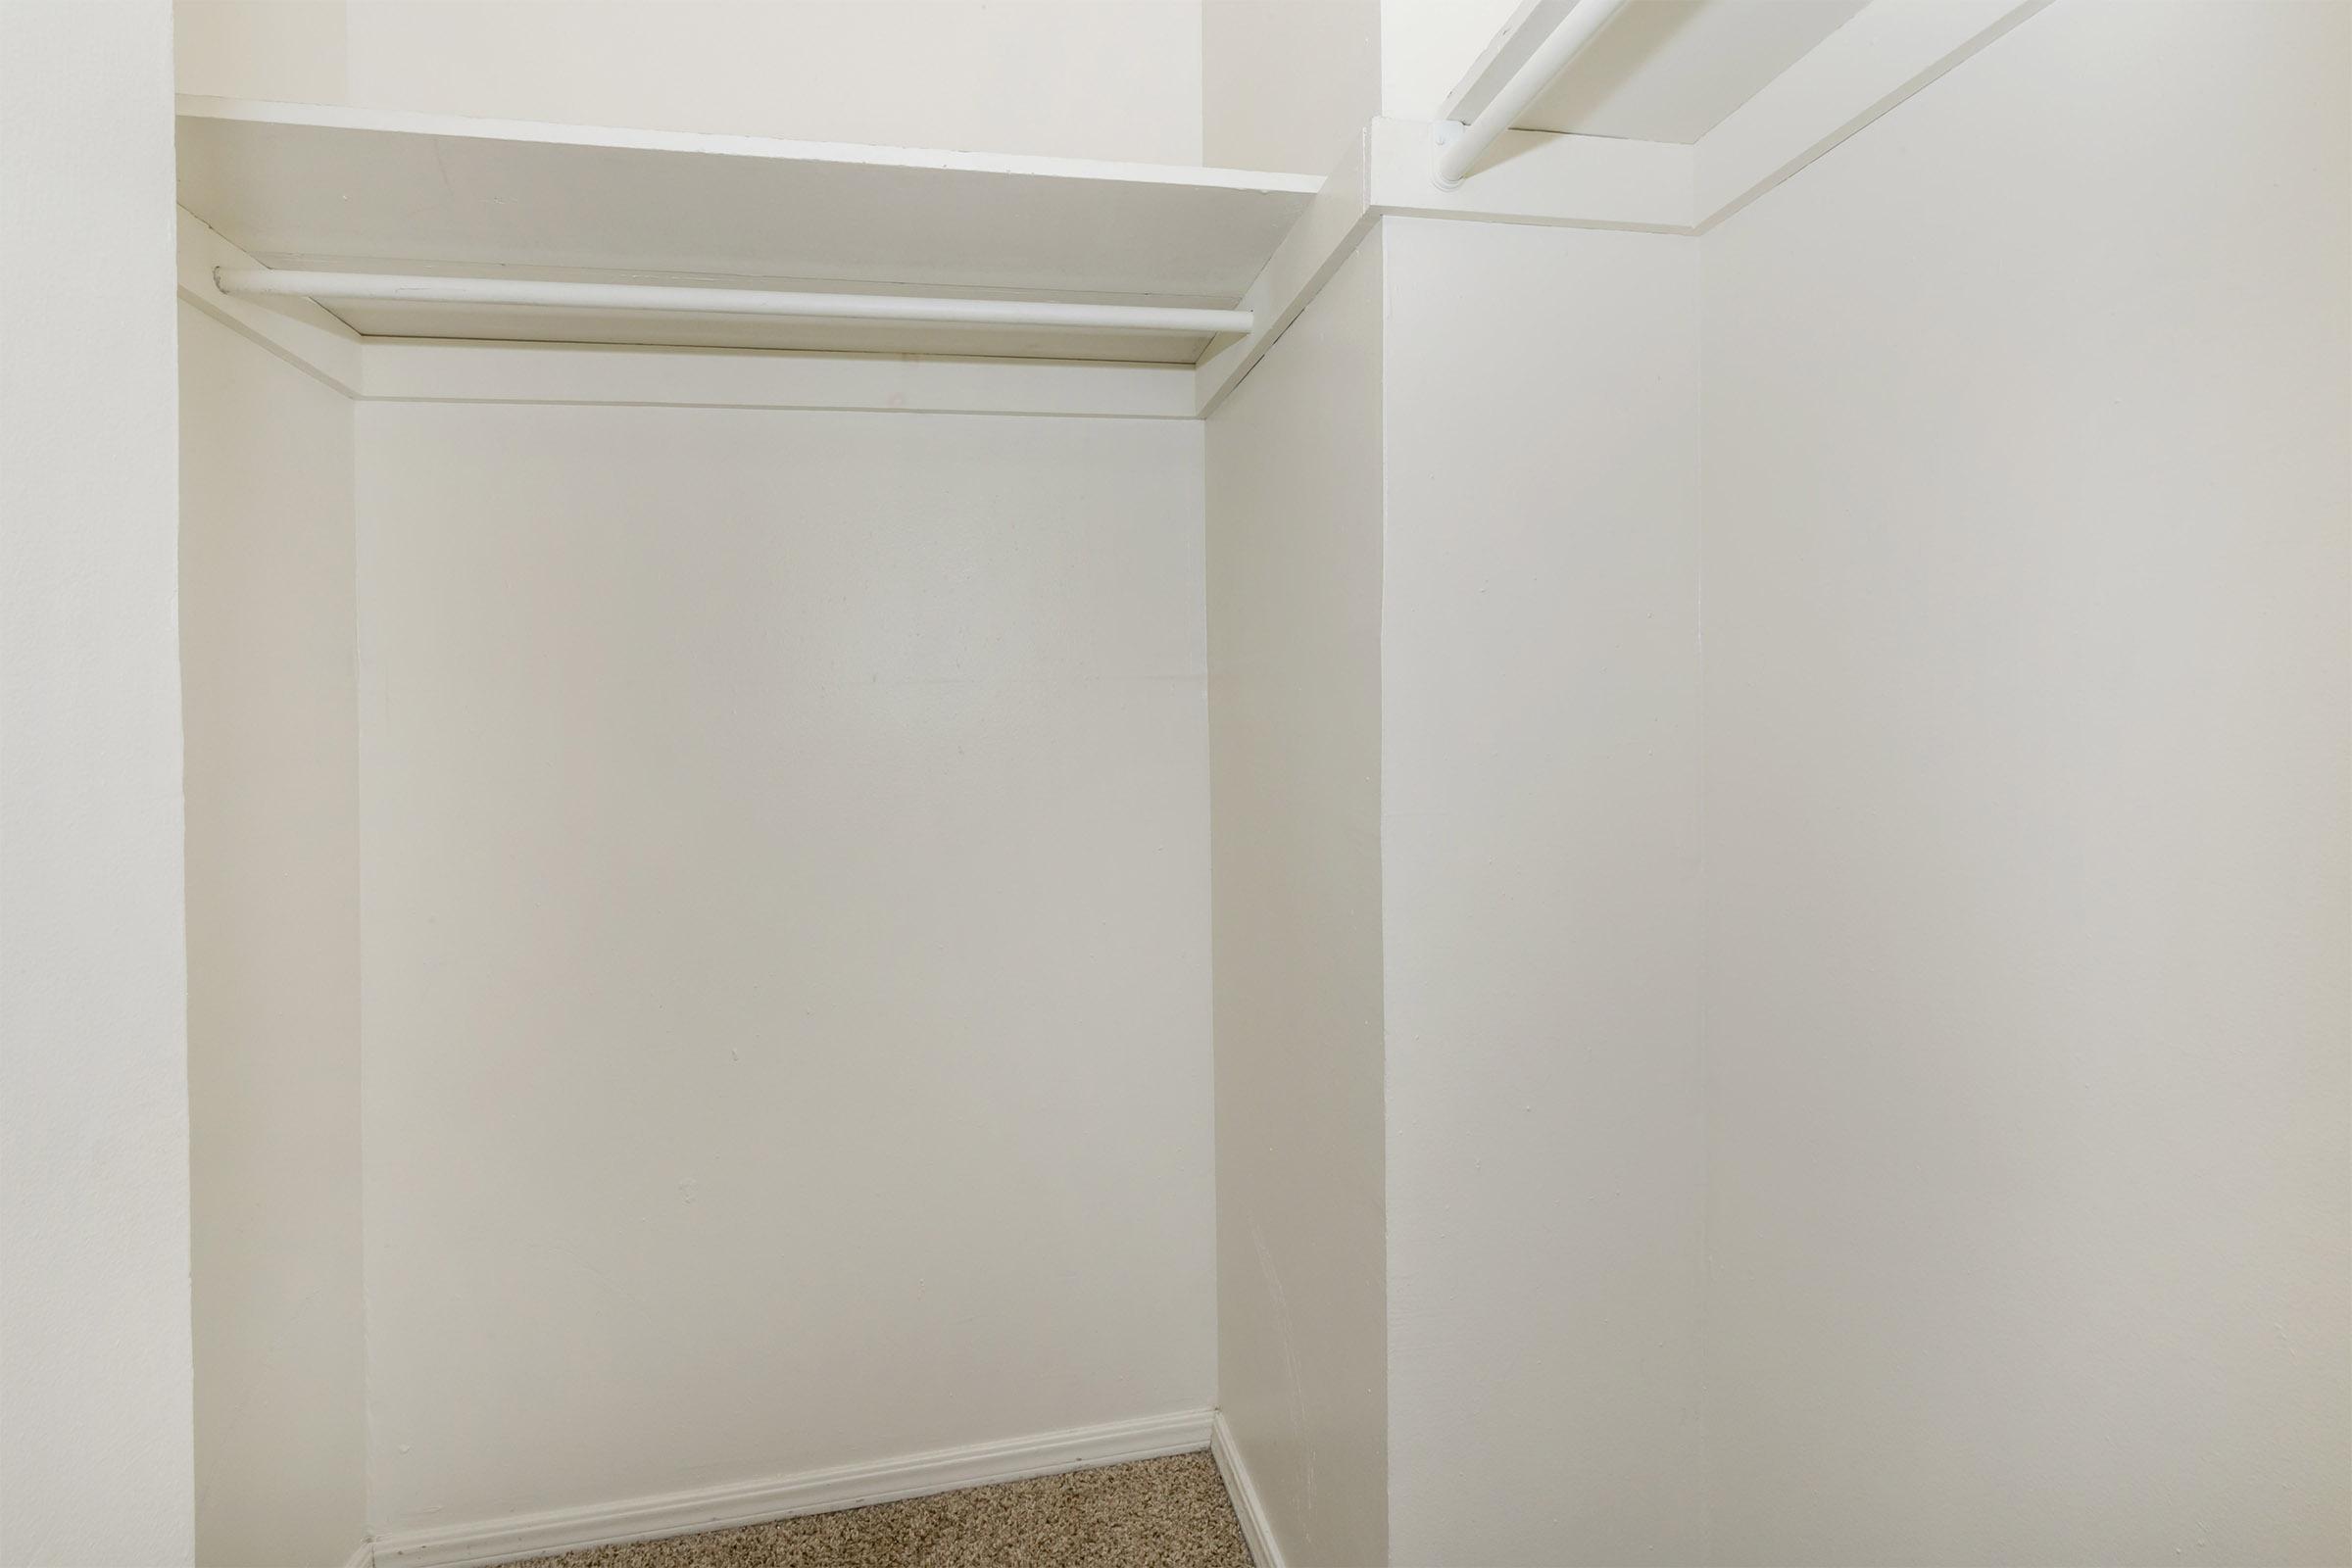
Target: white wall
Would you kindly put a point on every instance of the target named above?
(785, 923)
(1083, 78)
(95, 1462)
(1294, 572)
(268, 640)
(1286, 83)
(1540, 660)
(1428, 46)
(2030, 744)
(296, 51)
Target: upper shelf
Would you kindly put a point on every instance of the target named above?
(1666, 70)
(1671, 69)
(304, 186)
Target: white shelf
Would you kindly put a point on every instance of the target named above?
(303, 185)
(1666, 70)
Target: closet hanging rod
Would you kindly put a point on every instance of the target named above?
(1461, 146)
(287, 282)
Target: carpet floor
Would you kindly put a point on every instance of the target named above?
(1150, 1513)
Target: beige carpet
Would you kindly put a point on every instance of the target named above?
(1153, 1513)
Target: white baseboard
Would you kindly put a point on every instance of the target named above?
(1244, 1493)
(362, 1556)
(496, 1540)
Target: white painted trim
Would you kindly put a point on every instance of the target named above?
(1886, 52)
(1537, 177)
(1247, 1507)
(496, 1540)
(1463, 147)
(1325, 235)
(1492, 71)
(436, 370)
(362, 1555)
(303, 334)
(284, 282)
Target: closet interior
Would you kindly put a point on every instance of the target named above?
(1574, 773)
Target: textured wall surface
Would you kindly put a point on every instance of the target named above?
(1286, 83)
(1294, 565)
(268, 637)
(1540, 745)
(2029, 748)
(786, 942)
(95, 1461)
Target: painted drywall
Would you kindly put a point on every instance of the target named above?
(1294, 568)
(95, 1461)
(267, 644)
(785, 924)
(289, 51)
(2029, 451)
(1428, 46)
(1286, 83)
(1078, 79)
(1539, 742)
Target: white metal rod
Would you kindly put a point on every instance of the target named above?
(1460, 146)
(727, 301)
